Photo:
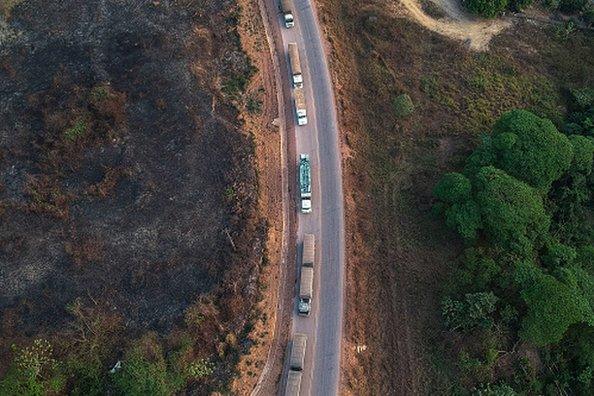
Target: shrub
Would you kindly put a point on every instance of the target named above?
(144, 375)
(34, 371)
(486, 8)
(78, 130)
(403, 106)
(519, 5)
(200, 368)
(571, 6)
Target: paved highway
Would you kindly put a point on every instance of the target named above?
(319, 139)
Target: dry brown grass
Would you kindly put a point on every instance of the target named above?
(399, 254)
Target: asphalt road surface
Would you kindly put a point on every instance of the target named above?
(319, 139)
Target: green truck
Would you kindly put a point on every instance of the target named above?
(305, 183)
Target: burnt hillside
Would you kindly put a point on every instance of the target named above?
(125, 179)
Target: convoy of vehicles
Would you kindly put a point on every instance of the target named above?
(287, 7)
(305, 183)
(306, 283)
(307, 275)
(295, 64)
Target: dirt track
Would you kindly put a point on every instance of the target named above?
(458, 24)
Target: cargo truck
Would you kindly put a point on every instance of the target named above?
(307, 275)
(309, 247)
(293, 383)
(300, 107)
(305, 183)
(305, 291)
(287, 9)
(295, 63)
(298, 352)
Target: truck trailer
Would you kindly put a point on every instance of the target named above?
(287, 8)
(297, 358)
(295, 63)
(300, 106)
(309, 247)
(293, 383)
(305, 183)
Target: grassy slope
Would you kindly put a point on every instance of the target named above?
(400, 254)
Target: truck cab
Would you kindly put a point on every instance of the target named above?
(289, 20)
(287, 7)
(304, 306)
(305, 205)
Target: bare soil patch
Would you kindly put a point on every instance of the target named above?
(456, 23)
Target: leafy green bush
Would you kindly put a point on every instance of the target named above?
(403, 106)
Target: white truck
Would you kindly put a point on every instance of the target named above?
(287, 7)
(307, 275)
(300, 106)
(295, 64)
(305, 183)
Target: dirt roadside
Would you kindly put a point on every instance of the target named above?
(260, 370)
(381, 349)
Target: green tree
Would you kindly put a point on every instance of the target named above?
(583, 154)
(33, 372)
(474, 311)
(483, 155)
(531, 149)
(486, 8)
(145, 371)
(477, 271)
(453, 187)
(465, 218)
(512, 213)
(553, 306)
(558, 255)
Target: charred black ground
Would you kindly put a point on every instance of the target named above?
(125, 179)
